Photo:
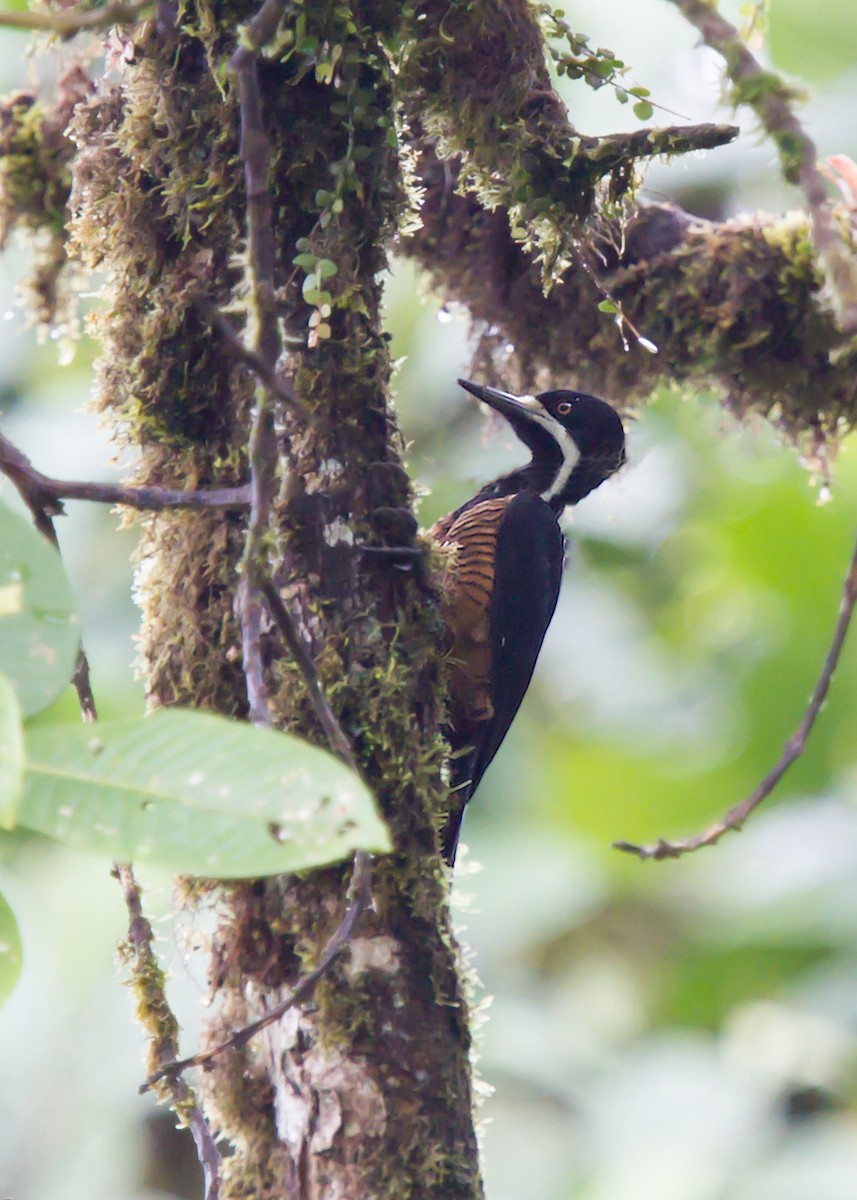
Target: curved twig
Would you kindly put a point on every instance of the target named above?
(261, 256)
(161, 1027)
(793, 749)
(360, 897)
(771, 99)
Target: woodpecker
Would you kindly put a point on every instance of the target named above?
(503, 582)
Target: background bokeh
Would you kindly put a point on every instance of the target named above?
(674, 1031)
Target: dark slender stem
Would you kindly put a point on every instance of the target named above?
(161, 1027)
(44, 506)
(261, 256)
(333, 731)
(360, 897)
(276, 386)
(156, 499)
(772, 99)
(83, 687)
(793, 749)
(43, 495)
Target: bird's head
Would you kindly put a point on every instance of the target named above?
(577, 441)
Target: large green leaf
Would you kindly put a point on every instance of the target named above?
(10, 950)
(197, 793)
(39, 629)
(11, 753)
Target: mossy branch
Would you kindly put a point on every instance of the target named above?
(160, 1026)
(772, 99)
(264, 326)
(475, 78)
(738, 304)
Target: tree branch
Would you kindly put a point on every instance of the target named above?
(736, 303)
(277, 387)
(159, 1023)
(794, 747)
(772, 99)
(333, 731)
(44, 505)
(44, 495)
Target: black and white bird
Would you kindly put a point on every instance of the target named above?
(504, 578)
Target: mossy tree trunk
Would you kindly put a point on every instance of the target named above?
(365, 1092)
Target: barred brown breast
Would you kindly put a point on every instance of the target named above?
(503, 581)
(466, 607)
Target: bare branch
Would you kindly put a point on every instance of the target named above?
(793, 749)
(157, 1019)
(74, 20)
(360, 897)
(771, 99)
(44, 505)
(336, 738)
(45, 494)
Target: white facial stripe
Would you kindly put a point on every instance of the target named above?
(566, 443)
(570, 457)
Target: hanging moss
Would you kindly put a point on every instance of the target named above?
(35, 179)
(474, 77)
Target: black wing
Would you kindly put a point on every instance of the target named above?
(527, 572)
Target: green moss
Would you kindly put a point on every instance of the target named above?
(474, 76)
(792, 149)
(757, 87)
(35, 180)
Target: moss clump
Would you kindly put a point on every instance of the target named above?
(740, 306)
(35, 180)
(474, 77)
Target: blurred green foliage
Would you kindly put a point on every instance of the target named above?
(815, 42)
(673, 1031)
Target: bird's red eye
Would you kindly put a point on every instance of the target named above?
(564, 408)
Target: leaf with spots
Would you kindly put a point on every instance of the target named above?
(197, 793)
(39, 629)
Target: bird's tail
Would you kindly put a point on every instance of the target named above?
(460, 791)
